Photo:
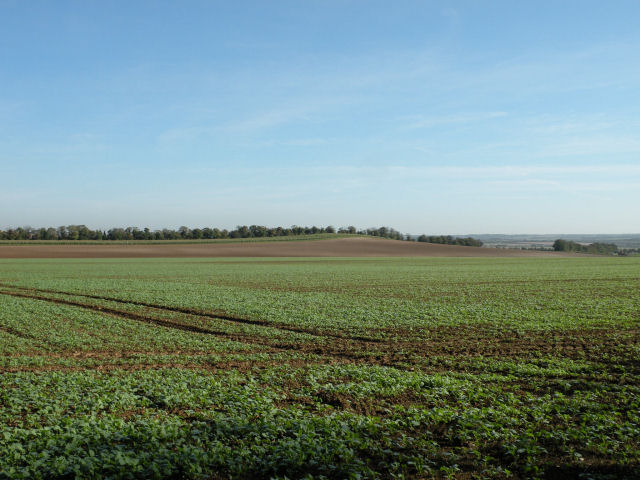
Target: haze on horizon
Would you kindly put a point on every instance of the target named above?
(435, 117)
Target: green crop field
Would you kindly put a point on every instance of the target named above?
(320, 368)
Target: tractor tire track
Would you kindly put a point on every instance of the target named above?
(199, 313)
(341, 350)
(17, 333)
(119, 313)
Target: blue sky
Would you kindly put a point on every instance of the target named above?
(434, 117)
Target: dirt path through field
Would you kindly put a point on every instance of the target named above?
(340, 247)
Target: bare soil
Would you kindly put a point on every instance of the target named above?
(340, 247)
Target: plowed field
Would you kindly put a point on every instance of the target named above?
(341, 247)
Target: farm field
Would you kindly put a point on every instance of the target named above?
(301, 246)
(320, 368)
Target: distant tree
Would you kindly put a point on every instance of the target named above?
(184, 232)
(602, 248)
(73, 232)
(83, 232)
(449, 240)
(561, 245)
(257, 231)
(243, 231)
(116, 234)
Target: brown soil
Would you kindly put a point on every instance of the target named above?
(340, 247)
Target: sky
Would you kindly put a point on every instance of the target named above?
(436, 117)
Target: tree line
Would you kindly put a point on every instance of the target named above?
(82, 232)
(598, 248)
(449, 240)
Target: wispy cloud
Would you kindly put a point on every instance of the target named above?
(422, 121)
(303, 142)
(566, 185)
(471, 172)
(482, 172)
(591, 146)
(186, 134)
(267, 120)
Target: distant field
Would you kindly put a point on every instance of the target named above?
(325, 367)
(630, 240)
(326, 246)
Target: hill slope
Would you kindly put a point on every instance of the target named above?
(340, 247)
